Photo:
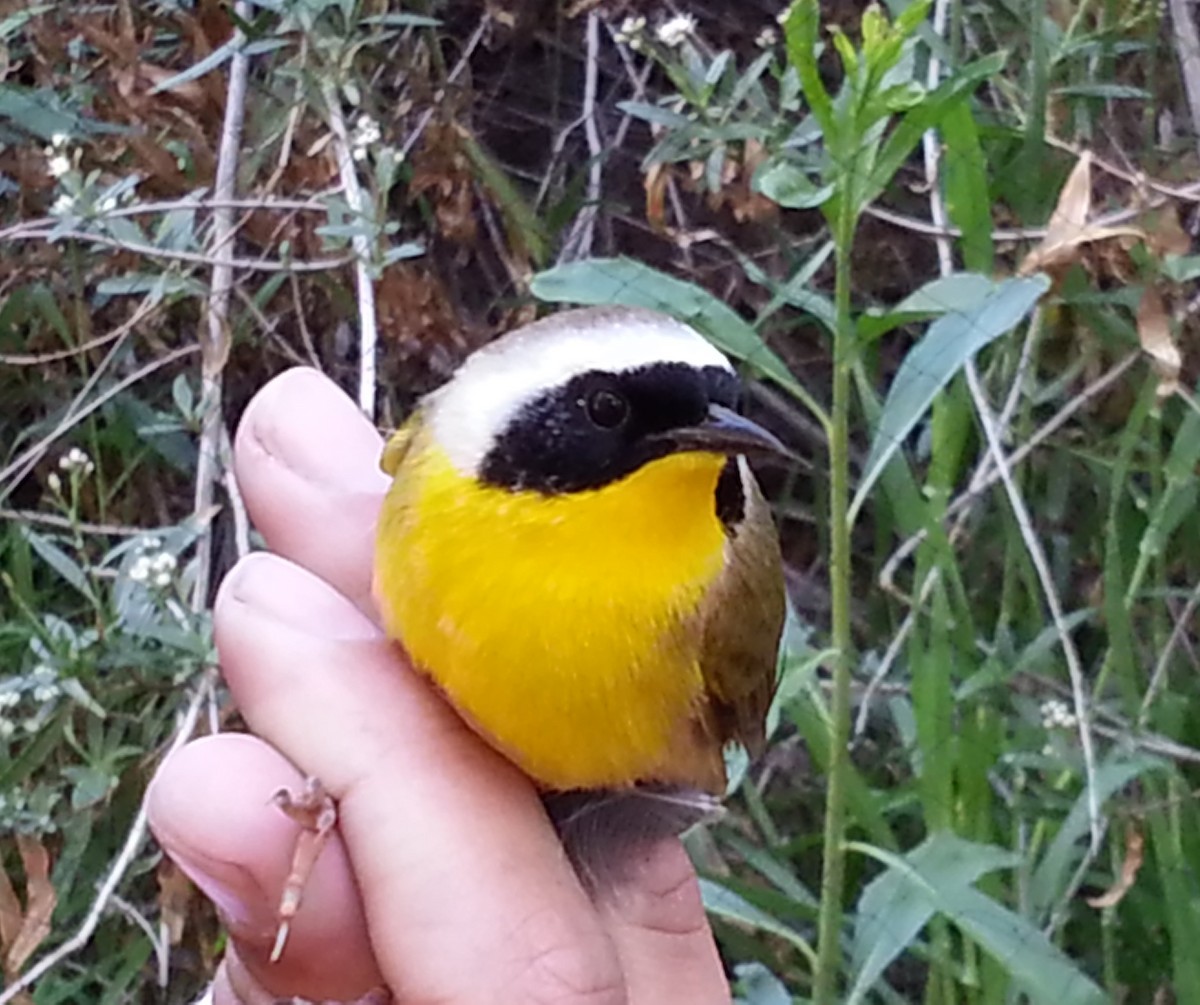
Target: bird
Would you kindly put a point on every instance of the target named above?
(575, 551)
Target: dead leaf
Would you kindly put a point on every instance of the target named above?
(10, 914)
(1134, 855)
(175, 892)
(1164, 233)
(1068, 233)
(40, 900)
(655, 184)
(1154, 333)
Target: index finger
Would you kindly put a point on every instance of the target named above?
(307, 462)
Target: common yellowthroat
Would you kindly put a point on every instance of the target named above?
(575, 550)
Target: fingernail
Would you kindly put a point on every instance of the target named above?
(233, 891)
(273, 587)
(305, 422)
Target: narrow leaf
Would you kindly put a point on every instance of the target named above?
(625, 281)
(943, 351)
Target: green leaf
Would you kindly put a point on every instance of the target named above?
(625, 281)
(800, 34)
(213, 60)
(42, 112)
(403, 20)
(964, 174)
(893, 909)
(795, 290)
(959, 291)
(756, 985)
(789, 185)
(655, 114)
(60, 562)
(722, 902)
(91, 786)
(926, 115)
(938, 876)
(1181, 268)
(1054, 870)
(1102, 90)
(945, 348)
(524, 227)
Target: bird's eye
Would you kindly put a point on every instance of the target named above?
(607, 409)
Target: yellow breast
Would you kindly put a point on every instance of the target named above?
(564, 627)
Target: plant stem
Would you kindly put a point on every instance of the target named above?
(834, 870)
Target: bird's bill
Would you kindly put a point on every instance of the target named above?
(725, 432)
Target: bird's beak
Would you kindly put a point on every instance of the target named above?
(723, 431)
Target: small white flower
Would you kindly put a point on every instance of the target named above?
(1057, 715)
(106, 205)
(9, 699)
(59, 165)
(7, 729)
(164, 561)
(45, 692)
(54, 482)
(63, 205)
(43, 674)
(366, 133)
(58, 141)
(766, 38)
(674, 32)
(139, 572)
(31, 725)
(76, 460)
(630, 31)
(154, 568)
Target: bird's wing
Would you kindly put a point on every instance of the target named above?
(397, 445)
(742, 622)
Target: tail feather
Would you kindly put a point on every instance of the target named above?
(605, 830)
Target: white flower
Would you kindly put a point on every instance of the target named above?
(106, 205)
(45, 692)
(63, 205)
(156, 569)
(766, 38)
(76, 460)
(59, 165)
(6, 729)
(630, 31)
(366, 132)
(58, 141)
(1056, 715)
(54, 482)
(43, 674)
(9, 699)
(672, 33)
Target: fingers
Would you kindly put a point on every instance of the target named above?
(209, 807)
(467, 892)
(657, 923)
(307, 462)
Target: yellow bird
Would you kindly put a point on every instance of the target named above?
(575, 550)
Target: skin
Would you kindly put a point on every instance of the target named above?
(444, 883)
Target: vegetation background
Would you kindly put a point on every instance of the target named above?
(950, 243)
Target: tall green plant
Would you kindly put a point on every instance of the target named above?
(869, 128)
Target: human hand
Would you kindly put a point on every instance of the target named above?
(444, 881)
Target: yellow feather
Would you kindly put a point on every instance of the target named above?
(562, 626)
